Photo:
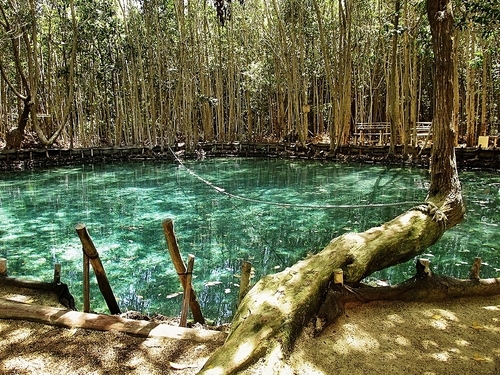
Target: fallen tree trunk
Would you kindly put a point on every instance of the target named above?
(73, 319)
(275, 310)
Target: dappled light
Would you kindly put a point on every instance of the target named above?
(355, 339)
(243, 350)
(78, 351)
(397, 335)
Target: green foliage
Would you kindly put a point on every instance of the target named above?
(483, 13)
(145, 72)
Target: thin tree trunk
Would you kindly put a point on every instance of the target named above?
(393, 95)
(470, 97)
(484, 92)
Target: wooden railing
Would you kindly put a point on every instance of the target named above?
(379, 132)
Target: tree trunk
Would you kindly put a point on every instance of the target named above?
(272, 314)
(444, 190)
(14, 137)
(470, 97)
(393, 95)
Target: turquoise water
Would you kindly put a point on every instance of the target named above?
(123, 206)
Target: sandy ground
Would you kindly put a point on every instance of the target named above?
(451, 337)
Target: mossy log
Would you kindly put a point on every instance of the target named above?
(275, 310)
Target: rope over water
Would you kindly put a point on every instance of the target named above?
(313, 206)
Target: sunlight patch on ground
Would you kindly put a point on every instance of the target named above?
(20, 334)
(492, 308)
(18, 298)
(355, 339)
(439, 324)
(434, 313)
(395, 318)
(403, 341)
(27, 364)
(461, 342)
(439, 318)
(442, 356)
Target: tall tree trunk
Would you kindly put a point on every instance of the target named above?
(444, 189)
(456, 89)
(484, 92)
(393, 97)
(470, 95)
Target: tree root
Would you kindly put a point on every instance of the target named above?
(417, 289)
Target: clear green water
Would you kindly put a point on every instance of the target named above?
(123, 205)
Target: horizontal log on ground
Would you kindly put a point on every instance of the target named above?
(73, 319)
(435, 288)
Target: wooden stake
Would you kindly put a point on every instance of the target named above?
(57, 273)
(102, 280)
(187, 291)
(86, 284)
(423, 269)
(338, 276)
(246, 268)
(3, 267)
(476, 269)
(180, 267)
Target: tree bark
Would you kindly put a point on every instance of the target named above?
(272, 314)
(444, 190)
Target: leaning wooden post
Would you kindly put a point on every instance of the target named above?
(86, 284)
(3, 267)
(187, 291)
(102, 280)
(180, 267)
(246, 269)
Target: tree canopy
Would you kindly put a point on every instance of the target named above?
(150, 72)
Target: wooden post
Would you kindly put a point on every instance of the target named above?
(57, 273)
(423, 269)
(102, 280)
(173, 248)
(187, 291)
(246, 268)
(86, 284)
(476, 269)
(338, 276)
(3, 267)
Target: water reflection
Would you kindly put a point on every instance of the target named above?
(122, 206)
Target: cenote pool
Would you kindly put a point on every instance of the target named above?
(123, 206)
